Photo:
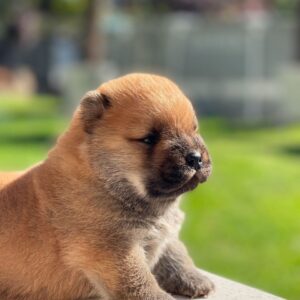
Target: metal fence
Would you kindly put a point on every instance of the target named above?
(236, 68)
(227, 67)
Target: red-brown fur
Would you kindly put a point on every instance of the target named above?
(64, 236)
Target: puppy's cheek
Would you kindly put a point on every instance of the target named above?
(137, 182)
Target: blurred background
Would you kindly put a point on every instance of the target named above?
(237, 60)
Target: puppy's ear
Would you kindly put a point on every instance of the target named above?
(92, 107)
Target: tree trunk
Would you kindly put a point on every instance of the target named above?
(298, 33)
(93, 39)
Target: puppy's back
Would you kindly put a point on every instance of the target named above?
(8, 177)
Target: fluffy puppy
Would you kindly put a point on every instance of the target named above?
(100, 217)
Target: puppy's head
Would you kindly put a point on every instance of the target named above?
(141, 137)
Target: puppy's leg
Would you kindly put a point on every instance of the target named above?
(176, 273)
(120, 275)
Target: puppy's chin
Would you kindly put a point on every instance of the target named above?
(162, 188)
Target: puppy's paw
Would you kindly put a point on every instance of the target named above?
(151, 296)
(160, 296)
(163, 296)
(193, 284)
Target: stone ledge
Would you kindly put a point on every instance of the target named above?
(230, 290)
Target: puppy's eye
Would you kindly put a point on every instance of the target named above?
(151, 139)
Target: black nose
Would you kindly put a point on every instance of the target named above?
(193, 160)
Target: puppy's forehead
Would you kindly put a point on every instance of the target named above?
(151, 98)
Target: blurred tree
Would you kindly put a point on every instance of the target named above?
(286, 5)
(92, 39)
(63, 7)
(298, 33)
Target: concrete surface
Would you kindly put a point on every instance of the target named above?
(230, 290)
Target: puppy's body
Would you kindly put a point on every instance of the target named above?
(100, 216)
(6, 178)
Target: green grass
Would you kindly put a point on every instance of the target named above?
(27, 130)
(243, 223)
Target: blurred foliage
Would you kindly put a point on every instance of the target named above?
(56, 7)
(68, 7)
(76, 7)
(289, 5)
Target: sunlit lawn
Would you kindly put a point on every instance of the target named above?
(243, 223)
(27, 130)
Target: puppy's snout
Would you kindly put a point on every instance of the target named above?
(194, 160)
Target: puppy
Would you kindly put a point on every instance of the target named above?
(100, 217)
